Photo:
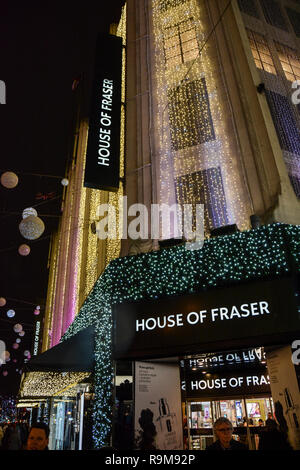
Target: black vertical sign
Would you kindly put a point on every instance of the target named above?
(103, 149)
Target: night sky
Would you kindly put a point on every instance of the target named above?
(43, 50)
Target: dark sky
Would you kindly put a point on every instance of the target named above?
(43, 49)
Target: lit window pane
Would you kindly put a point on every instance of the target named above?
(266, 58)
(173, 51)
(189, 45)
(258, 64)
(287, 67)
(174, 41)
(269, 68)
(188, 35)
(190, 55)
(290, 77)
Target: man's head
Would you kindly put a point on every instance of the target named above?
(270, 416)
(223, 430)
(38, 437)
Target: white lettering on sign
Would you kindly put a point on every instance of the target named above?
(36, 338)
(105, 123)
(232, 382)
(193, 318)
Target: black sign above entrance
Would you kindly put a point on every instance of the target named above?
(103, 149)
(256, 314)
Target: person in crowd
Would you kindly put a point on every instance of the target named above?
(12, 438)
(260, 423)
(269, 419)
(38, 437)
(272, 438)
(223, 431)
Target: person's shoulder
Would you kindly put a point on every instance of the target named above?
(236, 445)
(214, 446)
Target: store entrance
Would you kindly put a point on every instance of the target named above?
(247, 415)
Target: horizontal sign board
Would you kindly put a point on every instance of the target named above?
(256, 314)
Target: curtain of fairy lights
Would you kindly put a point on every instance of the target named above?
(193, 128)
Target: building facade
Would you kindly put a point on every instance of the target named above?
(211, 119)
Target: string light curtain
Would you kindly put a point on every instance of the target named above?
(193, 126)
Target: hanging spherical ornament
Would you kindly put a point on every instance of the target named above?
(18, 328)
(38, 307)
(18, 340)
(36, 311)
(22, 333)
(8, 359)
(15, 360)
(32, 227)
(5, 373)
(24, 250)
(2, 301)
(6, 355)
(9, 180)
(10, 313)
(65, 182)
(29, 211)
(26, 353)
(15, 346)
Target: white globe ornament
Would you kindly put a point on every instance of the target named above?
(2, 301)
(18, 328)
(29, 211)
(9, 180)
(26, 353)
(65, 182)
(10, 313)
(24, 250)
(32, 227)
(22, 333)
(18, 340)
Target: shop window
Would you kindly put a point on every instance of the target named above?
(190, 116)
(164, 5)
(294, 17)
(261, 52)
(249, 7)
(290, 62)
(273, 14)
(204, 187)
(180, 43)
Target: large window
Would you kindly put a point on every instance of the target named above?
(261, 52)
(294, 17)
(290, 61)
(273, 14)
(204, 187)
(166, 4)
(249, 7)
(180, 43)
(190, 117)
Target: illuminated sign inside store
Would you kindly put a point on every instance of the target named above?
(103, 148)
(213, 385)
(257, 313)
(220, 360)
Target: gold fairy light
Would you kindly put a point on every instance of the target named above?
(194, 134)
(47, 384)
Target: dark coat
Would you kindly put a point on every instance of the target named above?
(273, 440)
(234, 445)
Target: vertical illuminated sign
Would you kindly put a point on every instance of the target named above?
(103, 148)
